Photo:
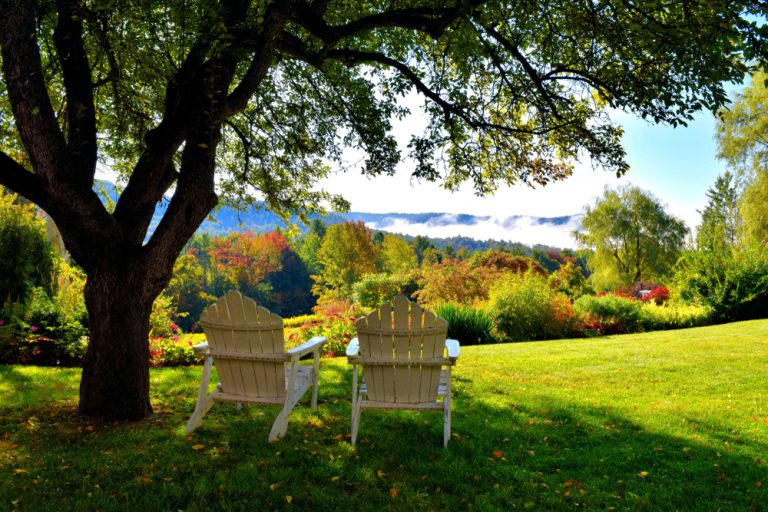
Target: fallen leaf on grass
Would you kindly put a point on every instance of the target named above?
(642, 474)
(289, 499)
(393, 493)
(273, 487)
(758, 484)
(686, 449)
(197, 447)
(335, 478)
(19, 471)
(498, 454)
(380, 473)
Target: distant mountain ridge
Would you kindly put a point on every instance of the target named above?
(554, 231)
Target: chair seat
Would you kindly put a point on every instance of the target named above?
(442, 391)
(302, 383)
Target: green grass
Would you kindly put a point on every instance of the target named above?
(674, 420)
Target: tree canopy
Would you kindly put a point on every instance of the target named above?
(248, 101)
(632, 236)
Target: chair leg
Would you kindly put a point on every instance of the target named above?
(356, 418)
(201, 410)
(447, 409)
(446, 421)
(203, 391)
(279, 427)
(315, 375)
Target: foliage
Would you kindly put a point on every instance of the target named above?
(732, 281)
(397, 256)
(569, 279)
(70, 283)
(658, 295)
(632, 236)
(452, 281)
(246, 258)
(498, 262)
(375, 289)
(161, 325)
(673, 315)
(524, 307)
(26, 257)
(609, 314)
(297, 321)
(338, 329)
(468, 325)
(42, 334)
(754, 209)
(346, 255)
(173, 350)
(187, 290)
(720, 221)
(742, 133)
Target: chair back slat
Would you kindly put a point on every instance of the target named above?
(393, 340)
(237, 325)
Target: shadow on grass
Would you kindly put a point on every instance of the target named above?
(553, 455)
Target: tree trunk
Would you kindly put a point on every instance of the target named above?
(115, 379)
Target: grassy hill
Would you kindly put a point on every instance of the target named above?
(674, 420)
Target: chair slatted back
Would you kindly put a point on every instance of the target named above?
(247, 345)
(401, 351)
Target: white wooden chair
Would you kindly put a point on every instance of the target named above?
(246, 342)
(402, 360)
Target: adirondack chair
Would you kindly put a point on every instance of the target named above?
(402, 360)
(246, 342)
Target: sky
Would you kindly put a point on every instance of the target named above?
(677, 165)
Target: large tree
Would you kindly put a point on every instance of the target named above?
(632, 237)
(742, 139)
(244, 100)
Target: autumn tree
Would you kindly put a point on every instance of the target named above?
(238, 101)
(632, 236)
(396, 255)
(346, 255)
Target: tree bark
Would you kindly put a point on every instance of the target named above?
(115, 379)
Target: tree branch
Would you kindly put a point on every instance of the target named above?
(81, 112)
(24, 78)
(532, 73)
(432, 20)
(15, 177)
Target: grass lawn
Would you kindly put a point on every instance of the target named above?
(674, 420)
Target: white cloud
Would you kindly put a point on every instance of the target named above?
(526, 230)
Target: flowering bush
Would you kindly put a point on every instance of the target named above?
(41, 334)
(172, 351)
(658, 295)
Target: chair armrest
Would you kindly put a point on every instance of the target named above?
(453, 348)
(353, 349)
(305, 348)
(200, 348)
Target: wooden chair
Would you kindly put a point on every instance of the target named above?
(402, 360)
(246, 342)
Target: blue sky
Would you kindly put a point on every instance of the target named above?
(677, 165)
